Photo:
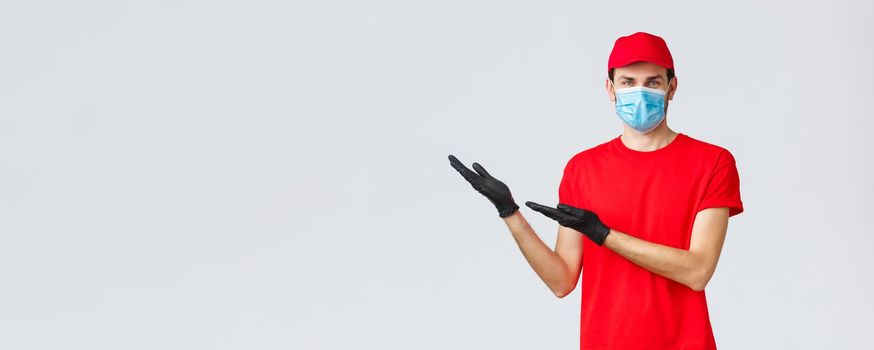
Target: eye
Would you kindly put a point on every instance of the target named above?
(653, 82)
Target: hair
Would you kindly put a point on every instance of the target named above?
(670, 74)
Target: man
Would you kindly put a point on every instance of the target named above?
(653, 205)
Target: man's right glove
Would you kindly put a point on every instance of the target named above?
(582, 220)
(495, 190)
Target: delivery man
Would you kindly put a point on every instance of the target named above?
(653, 205)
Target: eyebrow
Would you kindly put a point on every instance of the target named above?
(647, 78)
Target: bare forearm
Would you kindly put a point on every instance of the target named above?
(677, 264)
(545, 262)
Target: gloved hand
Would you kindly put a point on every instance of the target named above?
(495, 190)
(582, 220)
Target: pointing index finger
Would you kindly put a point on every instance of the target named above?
(562, 218)
(548, 211)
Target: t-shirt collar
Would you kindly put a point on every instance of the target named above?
(669, 148)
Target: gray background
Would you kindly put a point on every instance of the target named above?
(273, 175)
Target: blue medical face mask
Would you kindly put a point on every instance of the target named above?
(640, 107)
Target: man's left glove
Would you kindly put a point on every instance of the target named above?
(495, 190)
(582, 220)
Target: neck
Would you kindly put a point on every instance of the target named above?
(660, 137)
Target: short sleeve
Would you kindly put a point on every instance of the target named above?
(565, 187)
(723, 187)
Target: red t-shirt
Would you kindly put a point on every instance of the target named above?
(653, 196)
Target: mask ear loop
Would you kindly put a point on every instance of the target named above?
(666, 97)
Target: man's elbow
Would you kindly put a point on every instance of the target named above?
(699, 279)
(698, 286)
(562, 293)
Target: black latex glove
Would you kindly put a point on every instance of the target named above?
(495, 190)
(582, 220)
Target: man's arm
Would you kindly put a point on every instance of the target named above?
(559, 269)
(692, 267)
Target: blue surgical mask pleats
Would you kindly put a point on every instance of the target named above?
(640, 107)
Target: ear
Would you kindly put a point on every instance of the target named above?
(611, 90)
(672, 88)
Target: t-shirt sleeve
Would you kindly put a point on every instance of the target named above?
(565, 188)
(723, 187)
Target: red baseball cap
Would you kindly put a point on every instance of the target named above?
(638, 47)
